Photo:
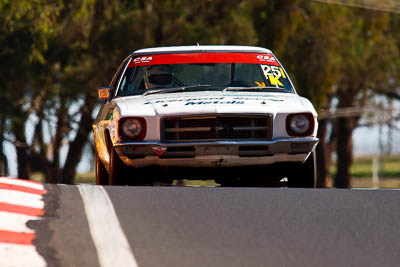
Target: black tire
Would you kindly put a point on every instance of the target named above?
(231, 177)
(304, 175)
(102, 177)
(251, 176)
(118, 169)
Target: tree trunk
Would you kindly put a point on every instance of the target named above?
(344, 151)
(323, 155)
(3, 157)
(21, 147)
(77, 145)
(24, 170)
(38, 157)
(55, 172)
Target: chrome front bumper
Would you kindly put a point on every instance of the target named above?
(221, 153)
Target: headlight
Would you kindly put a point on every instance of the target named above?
(300, 124)
(132, 128)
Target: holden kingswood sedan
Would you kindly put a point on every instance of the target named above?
(227, 113)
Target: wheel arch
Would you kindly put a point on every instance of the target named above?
(107, 140)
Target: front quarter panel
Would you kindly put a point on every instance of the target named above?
(104, 126)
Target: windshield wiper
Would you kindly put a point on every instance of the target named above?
(250, 88)
(174, 89)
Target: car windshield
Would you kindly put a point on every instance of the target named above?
(148, 79)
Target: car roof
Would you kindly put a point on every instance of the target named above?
(201, 49)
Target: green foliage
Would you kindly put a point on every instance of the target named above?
(275, 22)
(313, 52)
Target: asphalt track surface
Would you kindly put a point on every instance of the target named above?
(184, 226)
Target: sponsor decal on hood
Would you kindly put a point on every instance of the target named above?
(218, 100)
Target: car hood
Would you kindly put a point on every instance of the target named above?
(211, 103)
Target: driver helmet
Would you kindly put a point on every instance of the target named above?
(158, 76)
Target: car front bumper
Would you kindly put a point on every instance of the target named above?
(215, 153)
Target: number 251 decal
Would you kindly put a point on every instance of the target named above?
(273, 70)
(273, 73)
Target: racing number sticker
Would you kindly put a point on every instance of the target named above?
(274, 73)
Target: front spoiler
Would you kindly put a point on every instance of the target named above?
(215, 153)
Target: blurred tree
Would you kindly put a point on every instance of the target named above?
(23, 37)
(392, 89)
(304, 35)
(326, 47)
(313, 53)
(178, 22)
(275, 22)
(367, 65)
(91, 34)
(3, 157)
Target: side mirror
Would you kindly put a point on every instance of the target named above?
(104, 92)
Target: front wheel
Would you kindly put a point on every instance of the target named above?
(118, 169)
(101, 172)
(304, 175)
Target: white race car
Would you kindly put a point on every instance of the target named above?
(228, 113)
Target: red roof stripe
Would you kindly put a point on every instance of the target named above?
(16, 238)
(22, 189)
(159, 59)
(21, 209)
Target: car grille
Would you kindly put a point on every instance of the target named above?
(216, 128)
